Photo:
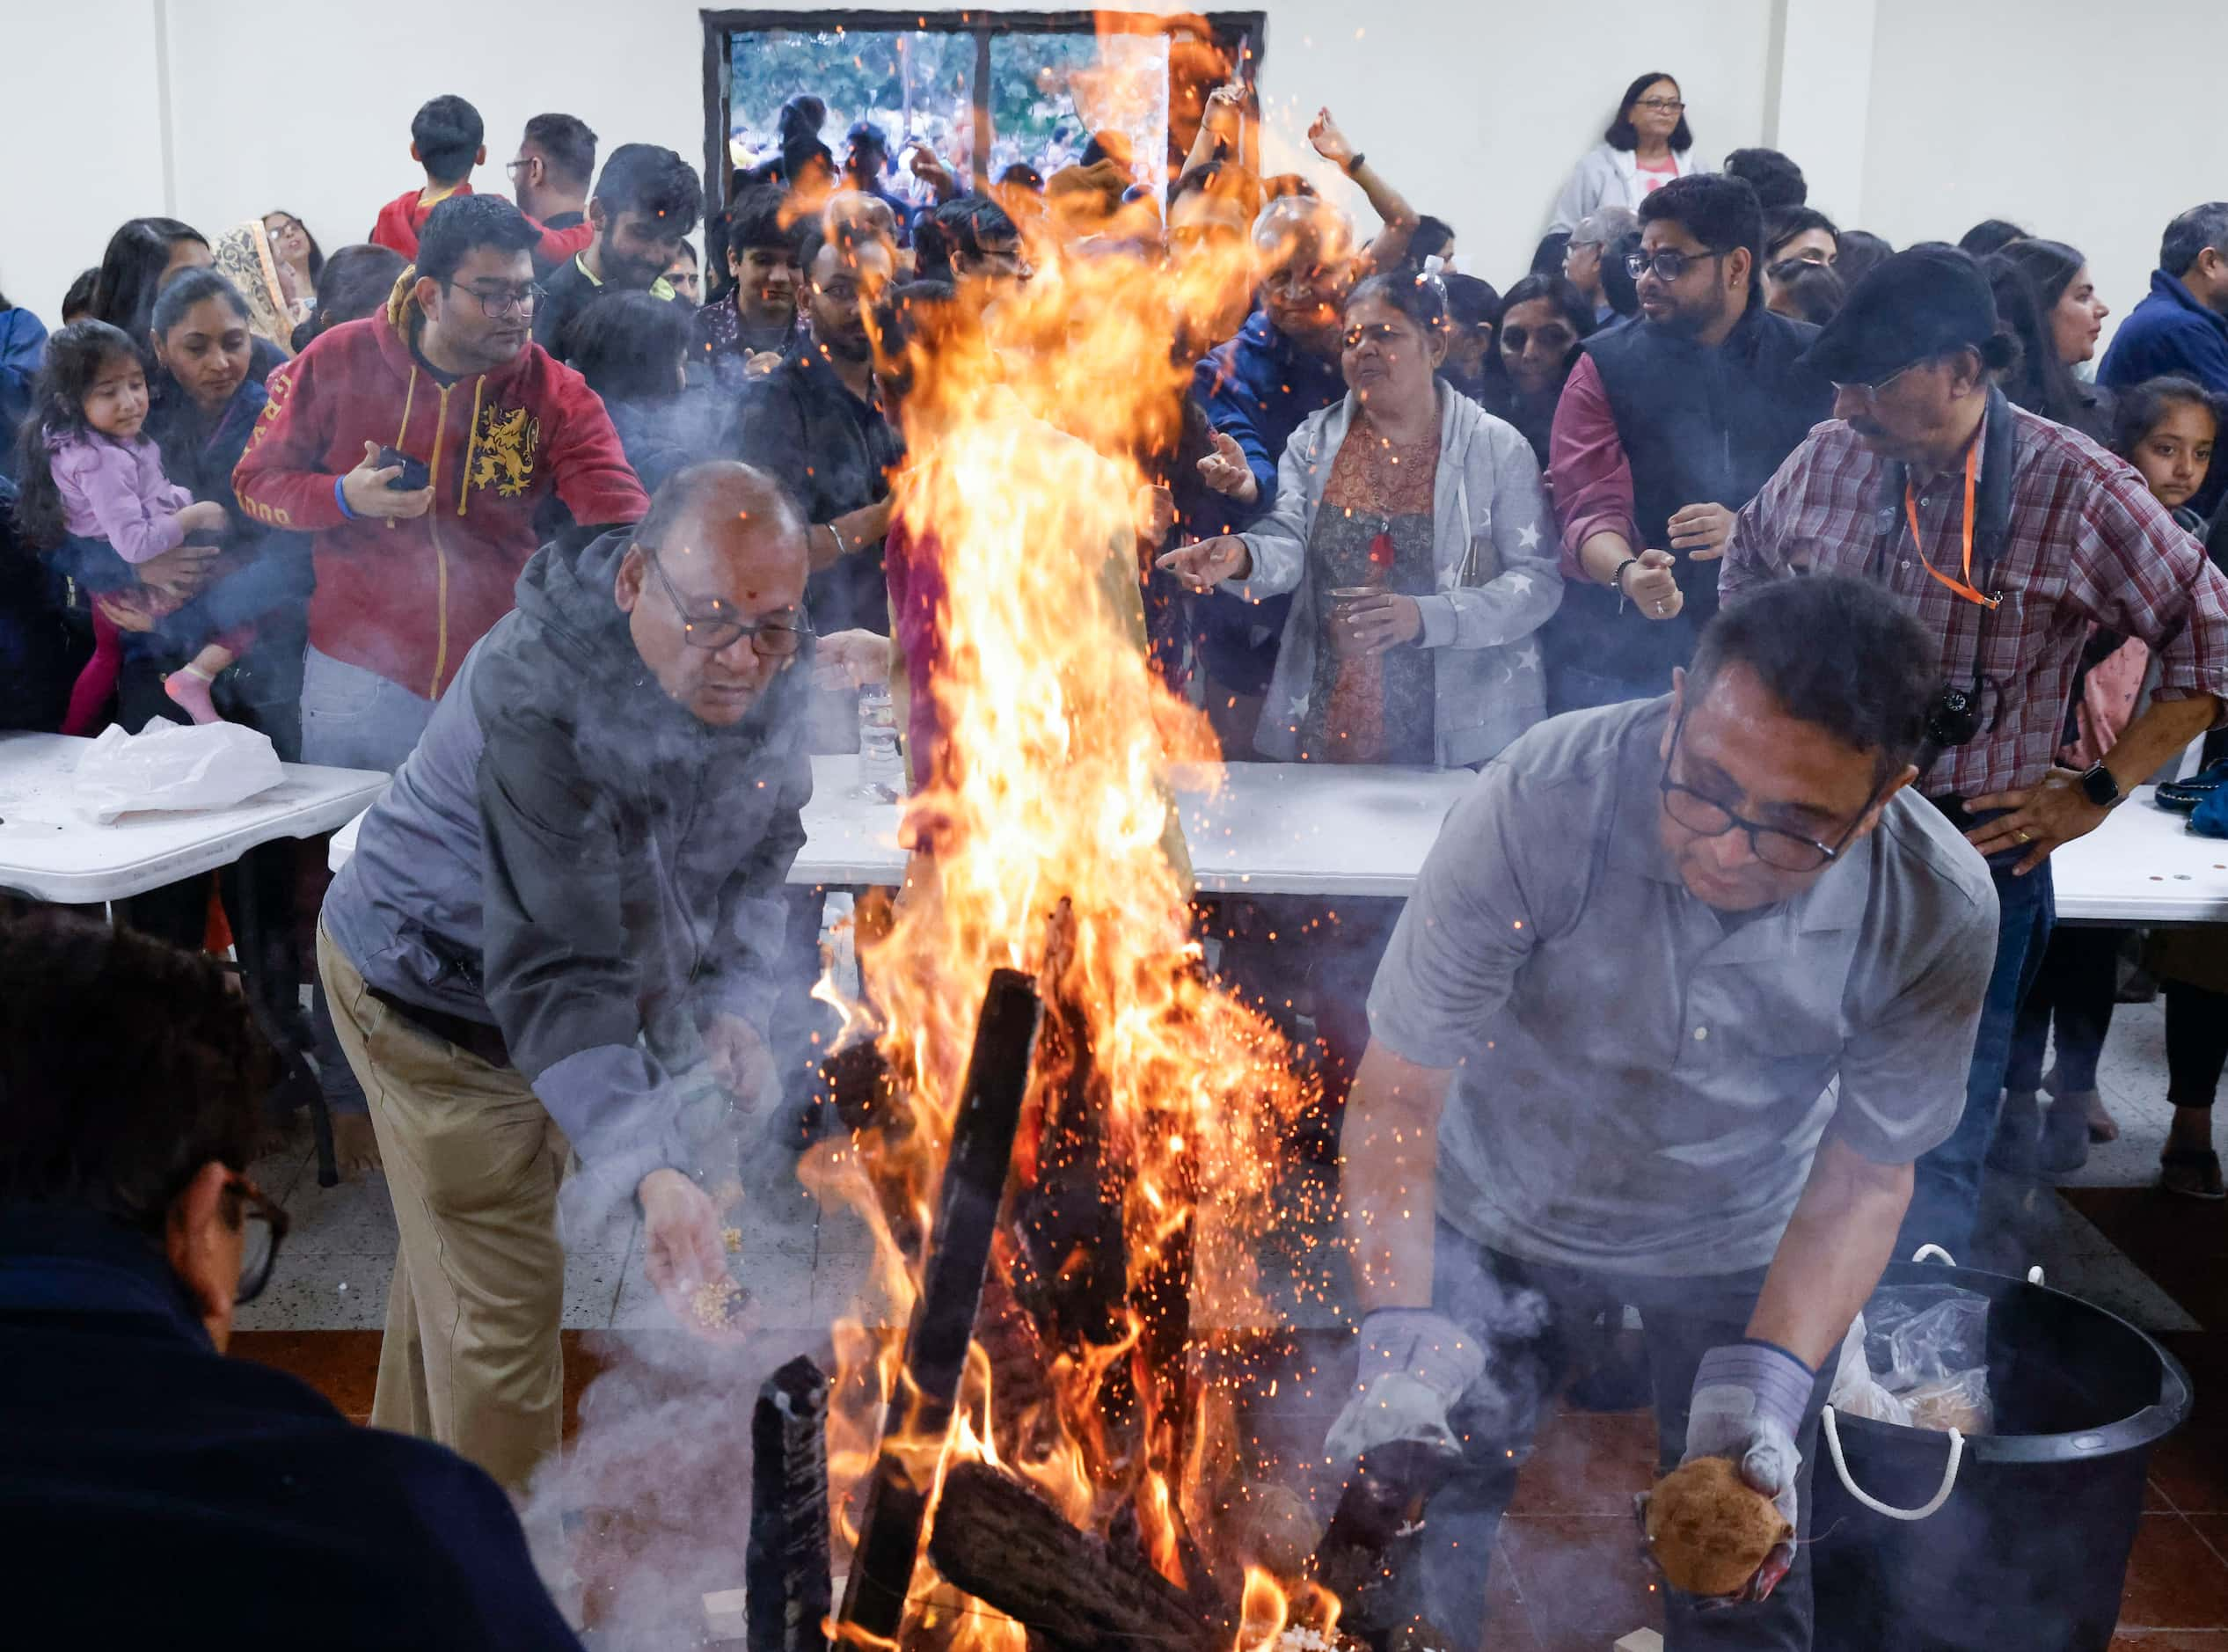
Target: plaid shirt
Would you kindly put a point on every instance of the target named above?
(2085, 543)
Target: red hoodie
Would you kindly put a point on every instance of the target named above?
(400, 219)
(408, 599)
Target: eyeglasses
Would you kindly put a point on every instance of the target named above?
(1662, 106)
(1669, 263)
(1871, 393)
(720, 629)
(1776, 847)
(262, 1225)
(498, 302)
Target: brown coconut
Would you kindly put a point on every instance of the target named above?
(1708, 1531)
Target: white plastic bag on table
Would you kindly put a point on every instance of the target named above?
(175, 768)
(1856, 1393)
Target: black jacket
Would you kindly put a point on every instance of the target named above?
(154, 1492)
(833, 453)
(1697, 426)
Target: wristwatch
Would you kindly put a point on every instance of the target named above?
(2099, 787)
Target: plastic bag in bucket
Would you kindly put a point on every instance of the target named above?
(174, 768)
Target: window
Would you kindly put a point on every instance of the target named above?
(1028, 88)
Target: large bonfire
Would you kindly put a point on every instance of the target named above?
(1148, 1162)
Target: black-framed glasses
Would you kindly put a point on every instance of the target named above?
(1662, 106)
(720, 627)
(495, 302)
(1668, 262)
(1776, 847)
(1870, 392)
(263, 1225)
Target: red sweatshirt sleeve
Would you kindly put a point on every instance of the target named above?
(560, 246)
(587, 465)
(1587, 469)
(281, 478)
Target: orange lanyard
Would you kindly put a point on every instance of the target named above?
(1962, 587)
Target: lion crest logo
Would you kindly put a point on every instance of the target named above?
(503, 451)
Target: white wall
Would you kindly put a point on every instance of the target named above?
(1914, 118)
(1477, 113)
(2052, 114)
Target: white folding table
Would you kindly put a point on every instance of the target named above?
(1316, 829)
(2144, 869)
(1270, 828)
(48, 852)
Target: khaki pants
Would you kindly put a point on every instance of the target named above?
(471, 1356)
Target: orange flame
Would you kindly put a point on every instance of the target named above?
(1056, 851)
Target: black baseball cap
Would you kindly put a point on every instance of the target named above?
(1920, 303)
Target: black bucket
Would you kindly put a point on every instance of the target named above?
(2030, 1550)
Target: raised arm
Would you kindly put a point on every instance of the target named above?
(1400, 218)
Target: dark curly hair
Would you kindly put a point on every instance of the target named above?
(126, 1066)
(75, 355)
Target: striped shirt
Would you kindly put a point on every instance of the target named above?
(2085, 542)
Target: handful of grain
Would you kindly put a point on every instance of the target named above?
(1708, 1530)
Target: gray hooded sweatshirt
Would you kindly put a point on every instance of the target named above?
(1494, 547)
(573, 858)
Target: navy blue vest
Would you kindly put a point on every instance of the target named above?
(1699, 426)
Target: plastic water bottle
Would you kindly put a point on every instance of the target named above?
(881, 767)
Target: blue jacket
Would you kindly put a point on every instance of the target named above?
(574, 860)
(149, 1484)
(2169, 331)
(1257, 388)
(23, 350)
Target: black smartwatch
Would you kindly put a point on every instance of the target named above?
(2098, 787)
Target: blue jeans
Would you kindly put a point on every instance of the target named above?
(1525, 1314)
(356, 719)
(351, 719)
(1946, 1196)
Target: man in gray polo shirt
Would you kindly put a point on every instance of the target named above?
(1684, 988)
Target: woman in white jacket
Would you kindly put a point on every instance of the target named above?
(1647, 145)
(1410, 527)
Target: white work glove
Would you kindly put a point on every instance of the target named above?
(1749, 1400)
(1415, 1364)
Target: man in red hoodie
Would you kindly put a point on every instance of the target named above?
(448, 139)
(408, 579)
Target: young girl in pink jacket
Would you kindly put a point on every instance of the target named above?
(89, 473)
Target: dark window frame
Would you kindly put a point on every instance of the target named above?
(1243, 33)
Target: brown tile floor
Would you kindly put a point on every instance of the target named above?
(1568, 1577)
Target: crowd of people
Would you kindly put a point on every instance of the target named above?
(590, 543)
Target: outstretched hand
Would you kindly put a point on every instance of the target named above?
(1204, 566)
(1226, 471)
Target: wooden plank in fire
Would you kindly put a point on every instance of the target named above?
(919, 1416)
(785, 1567)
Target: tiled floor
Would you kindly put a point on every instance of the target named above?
(1568, 1574)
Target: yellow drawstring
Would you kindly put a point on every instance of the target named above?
(472, 441)
(409, 392)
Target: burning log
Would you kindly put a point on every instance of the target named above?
(786, 1566)
(919, 1416)
(1004, 1544)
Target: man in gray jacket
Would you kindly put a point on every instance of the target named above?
(561, 927)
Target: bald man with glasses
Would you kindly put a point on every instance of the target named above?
(560, 935)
